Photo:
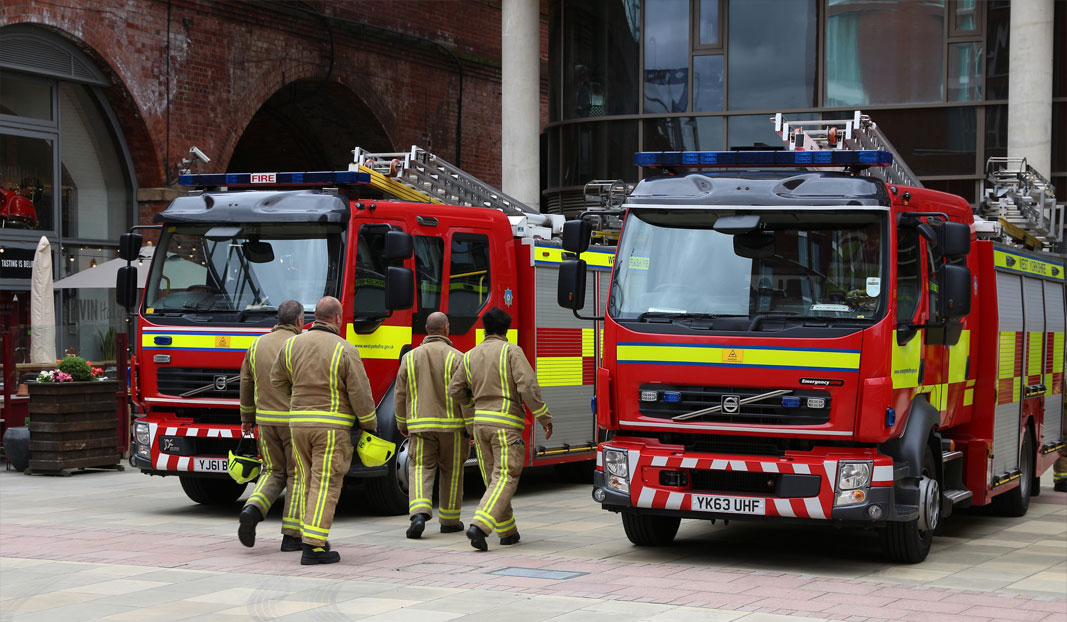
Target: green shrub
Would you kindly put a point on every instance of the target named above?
(76, 366)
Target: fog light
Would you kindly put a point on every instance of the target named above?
(143, 452)
(674, 478)
(850, 497)
(617, 484)
(649, 396)
(816, 402)
(875, 512)
(599, 495)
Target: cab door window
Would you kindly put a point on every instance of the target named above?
(909, 274)
(429, 277)
(369, 301)
(469, 285)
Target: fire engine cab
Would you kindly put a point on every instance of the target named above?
(788, 337)
(233, 250)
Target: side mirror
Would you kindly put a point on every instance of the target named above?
(258, 252)
(399, 287)
(126, 286)
(954, 239)
(576, 235)
(398, 245)
(570, 290)
(955, 286)
(130, 246)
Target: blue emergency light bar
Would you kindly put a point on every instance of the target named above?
(710, 159)
(317, 178)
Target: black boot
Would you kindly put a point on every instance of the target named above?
(509, 540)
(246, 532)
(477, 538)
(293, 543)
(418, 525)
(1059, 485)
(315, 554)
(452, 528)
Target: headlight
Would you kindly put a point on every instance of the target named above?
(617, 463)
(853, 475)
(140, 433)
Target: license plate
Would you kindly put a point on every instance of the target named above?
(210, 465)
(729, 505)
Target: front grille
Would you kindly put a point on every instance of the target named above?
(735, 481)
(769, 411)
(178, 380)
(736, 445)
(220, 416)
(197, 446)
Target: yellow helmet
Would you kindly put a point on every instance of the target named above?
(374, 451)
(243, 469)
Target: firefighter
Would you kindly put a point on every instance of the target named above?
(1059, 472)
(265, 406)
(497, 378)
(329, 393)
(434, 425)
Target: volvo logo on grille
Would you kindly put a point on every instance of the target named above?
(220, 382)
(731, 403)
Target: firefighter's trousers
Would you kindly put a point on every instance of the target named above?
(500, 457)
(276, 475)
(322, 456)
(1059, 468)
(428, 453)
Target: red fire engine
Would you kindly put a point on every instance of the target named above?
(822, 346)
(227, 256)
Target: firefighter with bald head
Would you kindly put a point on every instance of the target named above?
(434, 425)
(496, 379)
(328, 393)
(268, 408)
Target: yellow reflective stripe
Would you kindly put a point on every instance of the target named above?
(443, 513)
(481, 461)
(504, 375)
(467, 366)
(553, 255)
(512, 336)
(1035, 343)
(385, 342)
(542, 410)
(1027, 265)
(418, 464)
(420, 424)
(502, 468)
(271, 419)
(367, 418)
(506, 526)
(252, 364)
(765, 357)
(324, 483)
(957, 358)
(321, 416)
(314, 531)
(559, 371)
(248, 409)
(457, 474)
(486, 518)
(223, 342)
(906, 359)
(509, 421)
(587, 342)
(335, 361)
(301, 488)
(289, 354)
(451, 356)
(413, 387)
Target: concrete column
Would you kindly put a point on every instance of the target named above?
(520, 100)
(1030, 83)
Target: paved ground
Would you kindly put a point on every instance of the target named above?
(123, 546)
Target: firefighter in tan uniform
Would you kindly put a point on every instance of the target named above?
(1059, 472)
(329, 393)
(497, 377)
(434, 425)
(265, 406)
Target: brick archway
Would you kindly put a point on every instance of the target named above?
(307, 125)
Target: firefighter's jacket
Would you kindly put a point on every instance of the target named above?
(422, 401)
(497, 376)
(324, 377)
(261, 402)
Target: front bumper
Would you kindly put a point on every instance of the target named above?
(797, 487)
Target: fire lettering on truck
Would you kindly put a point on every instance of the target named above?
(263, 178)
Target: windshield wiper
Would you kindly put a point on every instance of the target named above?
(777, 315)
(256, 310)
(677, 315)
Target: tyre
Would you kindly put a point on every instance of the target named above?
(909, 541)
(389, 494)
(210, 490)
(645, 530)
(1016, 502)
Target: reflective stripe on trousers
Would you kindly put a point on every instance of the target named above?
(323, 457)
(500, 455)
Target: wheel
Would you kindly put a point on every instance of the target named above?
(910, 541)
(389, 494)
(645, 530)
(211, 491)
(1016, 502)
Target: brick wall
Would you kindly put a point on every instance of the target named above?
(384, 72)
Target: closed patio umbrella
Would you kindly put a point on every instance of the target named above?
(42, 306)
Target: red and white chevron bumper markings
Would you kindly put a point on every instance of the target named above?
(168, 462)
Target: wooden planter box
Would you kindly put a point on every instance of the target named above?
(73, 425)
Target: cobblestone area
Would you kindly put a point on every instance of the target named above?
(122, 546)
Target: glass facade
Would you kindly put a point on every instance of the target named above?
(709, 74)
(65, 175)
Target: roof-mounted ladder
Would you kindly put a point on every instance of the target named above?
(1023, 201)
(859, 132)
(434, 179)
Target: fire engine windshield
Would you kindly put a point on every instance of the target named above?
(756, 264)
(248, 270)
